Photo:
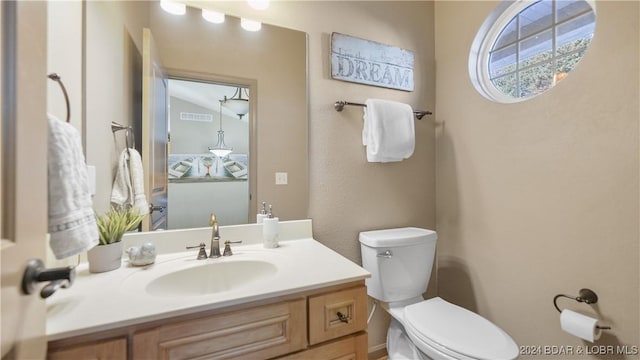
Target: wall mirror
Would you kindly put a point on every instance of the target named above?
(270, 65)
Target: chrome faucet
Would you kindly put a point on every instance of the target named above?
(215, 238)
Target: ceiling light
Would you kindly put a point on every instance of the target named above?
(250, 25)
(173, 7)
(213, 16)
(259, 4)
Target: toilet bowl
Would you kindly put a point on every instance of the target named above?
(400, 262)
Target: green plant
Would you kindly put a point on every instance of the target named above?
(113, 224)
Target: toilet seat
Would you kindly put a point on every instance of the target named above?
(456, 332)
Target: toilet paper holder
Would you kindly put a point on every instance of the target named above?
(586, 296)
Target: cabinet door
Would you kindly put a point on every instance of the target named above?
(259, 333)
(101, 350)
(337, 314)
(348, 348)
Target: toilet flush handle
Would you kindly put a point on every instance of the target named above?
(387, 254)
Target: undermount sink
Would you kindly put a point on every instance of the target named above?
(211, 278)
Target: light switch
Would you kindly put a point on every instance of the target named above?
(281, 178)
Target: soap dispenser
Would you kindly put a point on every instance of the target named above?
(262, 214)
(270, 230)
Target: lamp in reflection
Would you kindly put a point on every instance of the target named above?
(237, 104)
(220, 149)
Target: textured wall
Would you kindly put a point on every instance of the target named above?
(541, 197)
(346, 194)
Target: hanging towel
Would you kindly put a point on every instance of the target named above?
(72, 224)
(128, 186)
(388, 131)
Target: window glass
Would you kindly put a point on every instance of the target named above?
(532, 48)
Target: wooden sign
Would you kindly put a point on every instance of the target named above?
(372, 63)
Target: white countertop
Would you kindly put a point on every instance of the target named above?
(98, 302)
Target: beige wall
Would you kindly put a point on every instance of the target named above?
(541, 197)
(64, 57)
(347, 194)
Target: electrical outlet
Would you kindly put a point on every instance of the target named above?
(281, 178)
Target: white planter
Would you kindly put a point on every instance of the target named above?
(105, 257)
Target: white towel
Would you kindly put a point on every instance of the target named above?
(128, 186)
(72, 224)
(388, 131)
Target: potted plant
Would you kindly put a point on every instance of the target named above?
(107, 255)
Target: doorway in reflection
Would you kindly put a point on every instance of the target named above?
(208, 157)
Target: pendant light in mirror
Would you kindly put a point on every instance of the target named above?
(220, 149)
(238, 105)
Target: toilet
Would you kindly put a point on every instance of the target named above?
(400, 262)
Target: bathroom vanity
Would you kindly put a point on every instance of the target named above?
(298, 301)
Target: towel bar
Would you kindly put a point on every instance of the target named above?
(339, 106)
(117, 127)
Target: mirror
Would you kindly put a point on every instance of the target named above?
(270, 63)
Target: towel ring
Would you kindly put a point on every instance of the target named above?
(55, 77)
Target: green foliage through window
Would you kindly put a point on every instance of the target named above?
(540, 46)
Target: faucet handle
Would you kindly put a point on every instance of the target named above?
(202, 254)
(227, 247)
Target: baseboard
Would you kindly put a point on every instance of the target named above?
(377, 352)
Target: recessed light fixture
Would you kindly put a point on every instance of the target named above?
(173, 7)
(213, 16)
(250, 25)
(259, 4)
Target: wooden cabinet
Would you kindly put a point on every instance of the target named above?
(327, 323)
(99, 350)
(262, 332)
(337, 314)
(352, 347)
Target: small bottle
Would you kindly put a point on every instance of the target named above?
(270, 230)
(262, 214)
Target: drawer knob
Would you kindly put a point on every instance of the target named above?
(342, 317)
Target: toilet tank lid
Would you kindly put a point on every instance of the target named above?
(397, 237)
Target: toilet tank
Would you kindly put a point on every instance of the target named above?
(399, 260)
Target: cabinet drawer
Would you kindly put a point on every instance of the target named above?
(337, 314)
(115, 349)
(260, 332)
(348, 348)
